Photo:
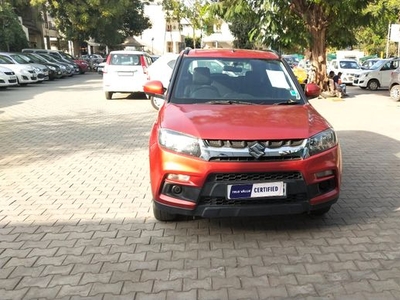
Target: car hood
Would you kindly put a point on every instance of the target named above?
(17, 67)
(243, 122)
(351, 71)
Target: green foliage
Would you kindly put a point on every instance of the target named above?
(12, 36)
(108, 22)
(373, 39)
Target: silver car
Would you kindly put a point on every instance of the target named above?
(41, 70)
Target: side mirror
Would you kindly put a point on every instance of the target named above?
(154, 88)
(312, 90)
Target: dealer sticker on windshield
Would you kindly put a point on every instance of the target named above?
(256, 190)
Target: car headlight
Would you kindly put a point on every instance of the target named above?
(322, 141)
(179, 142)
(37, 69)
(52, 68)
(63, 67)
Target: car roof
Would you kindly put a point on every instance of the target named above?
(238, 53)
(127, 52)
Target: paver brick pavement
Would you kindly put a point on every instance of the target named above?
(76, 220)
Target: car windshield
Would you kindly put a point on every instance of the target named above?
(378, 64)
(348, 64)
(48, 57)
(36, 58)
(67, 56)
(5, 60)
(19, 59)
(235, 81)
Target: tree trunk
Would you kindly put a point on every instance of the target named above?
(318, 56)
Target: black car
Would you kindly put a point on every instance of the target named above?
(55, 71)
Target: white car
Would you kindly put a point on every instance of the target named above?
(7, 77)
(347, 66)
(161, 69)
(41, 70)
(25, 73)
(125, 72)
(100, 68)
(378, 76)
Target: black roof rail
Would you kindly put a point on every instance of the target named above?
(186, 51)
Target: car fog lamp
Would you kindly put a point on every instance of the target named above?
(324, 174)
(178, 177)
(176, 189)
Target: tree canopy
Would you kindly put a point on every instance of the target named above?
(108, 22)
(12, 37)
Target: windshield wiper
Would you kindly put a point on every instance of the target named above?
(288, 102)
(230, 102)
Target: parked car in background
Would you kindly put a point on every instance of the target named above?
(161, 70)
(125, 72)
(378, 76)
(82, 64)
(58, 56)
(53, 69)
(348, 67)
(292, 60)
(394, 85)
(100, 68)
(240, 144)
(42, 71)
(154, 57)
(7, 77)
(25, 72)
(66, 68)
(367, 64)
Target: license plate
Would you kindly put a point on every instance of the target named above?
(257, 190)
(125, 73)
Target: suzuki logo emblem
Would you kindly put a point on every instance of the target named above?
(257, 150)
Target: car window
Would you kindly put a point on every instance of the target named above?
(349, 65)
(149, 60)
(125, 59)
(19, 59)
(255, 80)
(5, 60)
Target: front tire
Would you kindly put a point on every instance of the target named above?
(373, 84)
(108, 95)
(162, 215)
(395, 92)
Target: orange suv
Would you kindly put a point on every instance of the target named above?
(236, 136)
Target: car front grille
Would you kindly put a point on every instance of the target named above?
(234, 177)
(223, 201)
(240, 150)
(245, 144)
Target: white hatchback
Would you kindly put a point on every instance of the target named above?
(125, 72)
(7, 77)
(378, 76)
(349, 68)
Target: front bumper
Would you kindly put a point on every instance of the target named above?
(205, 194)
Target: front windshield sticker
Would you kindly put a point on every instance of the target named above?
(277, 79)
(293, 93)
